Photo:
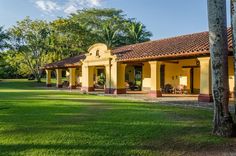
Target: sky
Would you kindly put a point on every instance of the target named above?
(164, 18)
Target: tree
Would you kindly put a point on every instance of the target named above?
(6, 68)
(223, 123)
(110, 26)
(75, 34)
(110, 36)
(103, 25)
(68, 38)
(29, 40)
(233, 26)
(57, 40)
(137, 33)
(35, 43)
(3, 38)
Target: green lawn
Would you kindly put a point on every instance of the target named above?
(38, 121)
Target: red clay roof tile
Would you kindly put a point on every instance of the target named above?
(68, 62)
(181, 46)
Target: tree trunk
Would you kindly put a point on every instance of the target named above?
(223, 123)
(38, 78)
(233, 26)
(38, 75)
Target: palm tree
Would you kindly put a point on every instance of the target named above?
(137, 33)
(110, 35)
(223, 123)
(3, 38)
(233, 25)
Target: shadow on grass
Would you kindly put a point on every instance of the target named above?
(68, 122)
(124, 144)
(119, 128)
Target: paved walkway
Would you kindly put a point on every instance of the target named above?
(169, 99)
(166, 99)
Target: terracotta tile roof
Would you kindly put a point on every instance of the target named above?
(68, 62)
(182, 46)
(193, 45)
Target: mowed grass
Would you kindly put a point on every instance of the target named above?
(38, 121)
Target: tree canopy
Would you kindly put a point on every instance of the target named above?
(34, 43)
(109, 26)
(29, 43)
(3, 38)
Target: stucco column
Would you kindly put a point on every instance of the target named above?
(121, 85)
(48, 78)
(59, 78)
(108, 86)
(146, 75)
(72, 79)
(68, 75)
(205, 80)
(155, 79)
(117, 79)
(78, 76)
(87, 78)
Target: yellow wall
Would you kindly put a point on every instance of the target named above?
(59, 76)
(48, 76)
(146, 84)
(68, 75)
(205, 76)
(79, 75)
(99, 55)
(72, 77)
(129, 71)
(231, 74)
(185, 72)
(120, 81)
(155, 75)
(173, 72)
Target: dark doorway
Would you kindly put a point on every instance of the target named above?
(191, 80)
(162, 76)
(100, 78)
(138, 77)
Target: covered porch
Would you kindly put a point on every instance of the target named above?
(180, 77)
(68, 73)
(99, 71)
(165, 78)
(174, 66)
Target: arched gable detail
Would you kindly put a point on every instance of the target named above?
(98, 55)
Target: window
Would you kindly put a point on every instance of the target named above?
(97, 53)
(183, 80)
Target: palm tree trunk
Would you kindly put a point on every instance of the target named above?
(223, 123)
(233, 26)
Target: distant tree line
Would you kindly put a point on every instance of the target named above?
(30, 44)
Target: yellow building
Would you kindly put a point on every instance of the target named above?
(178, 65)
